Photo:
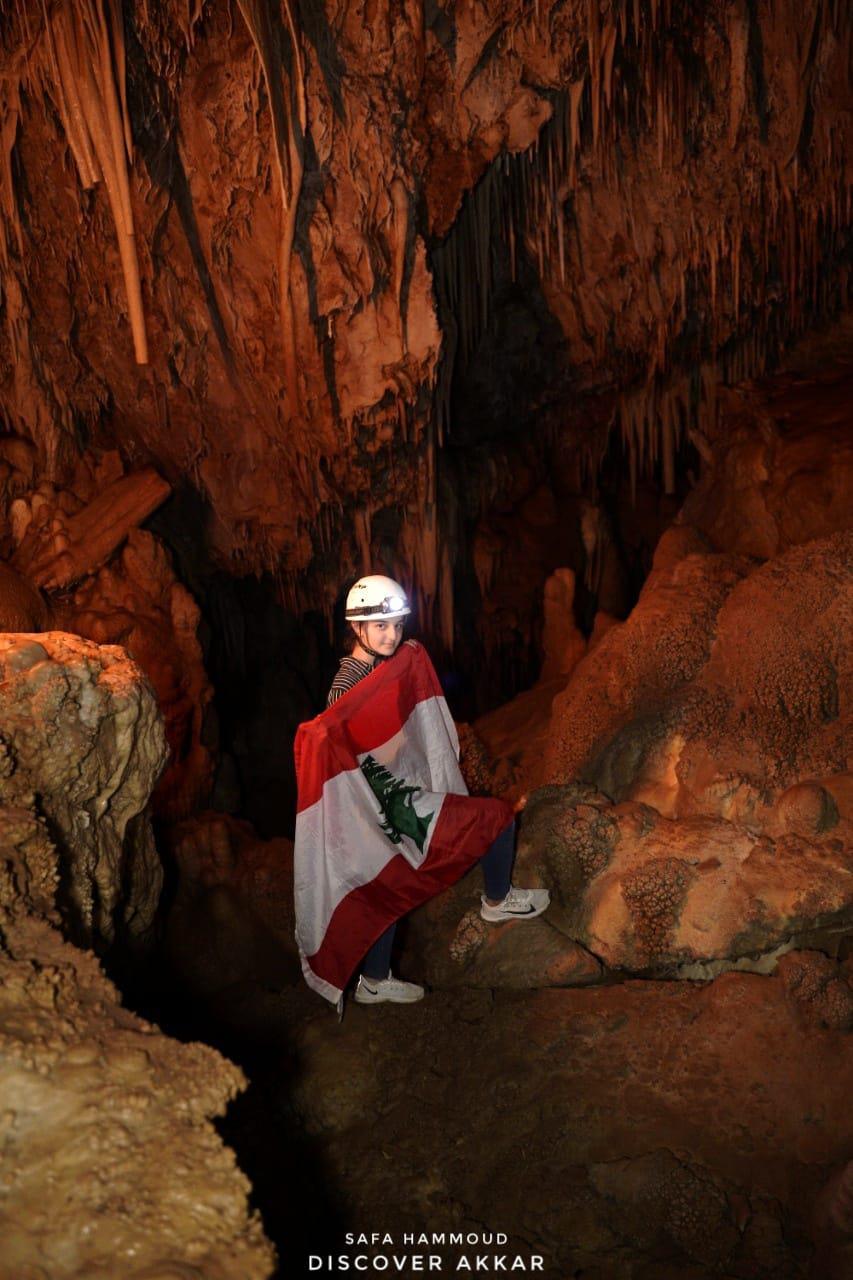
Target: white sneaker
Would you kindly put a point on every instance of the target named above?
(377, 990)
(519, 904)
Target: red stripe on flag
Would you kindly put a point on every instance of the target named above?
(362, 719)
(466, 827)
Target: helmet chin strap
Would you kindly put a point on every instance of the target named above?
(380, 657)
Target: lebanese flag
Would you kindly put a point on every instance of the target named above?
(384, 820)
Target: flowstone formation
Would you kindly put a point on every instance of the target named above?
(699, 813)
(110, 1164)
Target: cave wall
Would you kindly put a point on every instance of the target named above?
(317, 296)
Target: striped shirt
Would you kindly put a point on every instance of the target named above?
(350, 672)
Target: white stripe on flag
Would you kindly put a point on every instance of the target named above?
(340, 844)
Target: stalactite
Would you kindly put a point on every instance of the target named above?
(594, 57)
(289, 117)
(710, 269)
(362, 522)
(400, 221)
(10, 221)
(85, 51)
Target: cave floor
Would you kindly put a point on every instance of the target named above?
(636, 1131)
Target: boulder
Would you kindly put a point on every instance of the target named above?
(622, 687)
(683, 897)
(112, 1166)
(740, 693)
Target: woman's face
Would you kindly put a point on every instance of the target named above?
(384, 637)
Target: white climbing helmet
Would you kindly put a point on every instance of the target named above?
(376, 599)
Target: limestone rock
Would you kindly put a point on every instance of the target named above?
(626, 681)
(432, 96)
(64, 549)
(83, 734)
(447, 944)
(720, 709)
(684, 896)
(111, 1167)
(110, 1164)
(819, 988)
(483, 777)
(137, 601)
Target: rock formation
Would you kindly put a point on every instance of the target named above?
(268, 229)
(712, 727)
(111, 1165)
(81, 731)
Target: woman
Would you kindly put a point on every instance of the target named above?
(375, 609)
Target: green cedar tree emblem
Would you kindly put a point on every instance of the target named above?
(395, 799)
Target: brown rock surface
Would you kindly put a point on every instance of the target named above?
(781, 464)
(137, 601)
(110, 1164)
(56, 553)
(283, 288)
(447, 944)
(83, 734)
(716, 701)
(654, 1130)
(683, 896)
(231, 927)
(110, 581)
(636, 669)
(22, 607)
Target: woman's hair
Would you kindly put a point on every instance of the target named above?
(349, 641)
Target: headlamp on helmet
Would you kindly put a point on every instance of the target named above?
(376, 598)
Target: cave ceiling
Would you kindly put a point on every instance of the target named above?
(286, 252)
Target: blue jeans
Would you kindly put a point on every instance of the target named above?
(496, 864)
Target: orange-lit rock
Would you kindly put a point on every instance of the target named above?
(137, 602)
(677, 225)
(684, 896)
(82, 733)
(99, 1106)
